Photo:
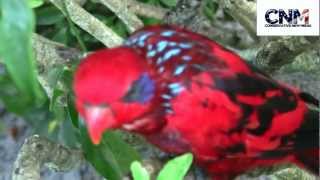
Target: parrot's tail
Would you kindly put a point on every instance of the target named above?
(309, 99)
(309, 159)
(307, 143)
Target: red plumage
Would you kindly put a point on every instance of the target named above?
(186, 93)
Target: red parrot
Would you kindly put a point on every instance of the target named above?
(185, 93)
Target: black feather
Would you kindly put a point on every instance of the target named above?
(309, 98)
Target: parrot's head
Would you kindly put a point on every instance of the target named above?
(112, 87)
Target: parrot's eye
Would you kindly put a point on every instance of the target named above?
(141, 90)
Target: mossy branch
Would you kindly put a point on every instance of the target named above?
(36, 152)
(244, 12)
(276, 53)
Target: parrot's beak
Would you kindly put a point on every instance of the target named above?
(98, 120)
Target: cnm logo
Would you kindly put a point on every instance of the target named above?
(289, 18)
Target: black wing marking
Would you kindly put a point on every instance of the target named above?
(309, 98)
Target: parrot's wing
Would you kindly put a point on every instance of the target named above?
(255, 95)
(274, 120)
(303, 95)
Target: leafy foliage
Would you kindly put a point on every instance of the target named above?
(111, 157)
(16, 27)
(139, 172)
(169, 3)
(210, 8)
(35, 3)
(176, 169)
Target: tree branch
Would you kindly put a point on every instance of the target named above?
(244, 12)
(120, 8)
(146, 10)
(188, 14)
(50, 54)
(279, 52)
(37, 151)
(88, 22)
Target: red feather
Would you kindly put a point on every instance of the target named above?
(186, 93)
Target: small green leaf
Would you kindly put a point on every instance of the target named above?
(176, 168)
(54, 76)
(35, 3)
(56, 94)
(61, 36)
(100, 156)
(139, 172)
(72, 112)
(16, 27)
(10, 96)
(210, 8)
(150, 21)
(75, 31)
(67, 134)
(169, 3)
(48, 15)
(120, 28)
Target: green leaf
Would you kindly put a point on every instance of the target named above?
(35, 3)
(169, 3)
(120, 28)
(150, 21)
(61, 36)
(72, 112)
(53, 102)
(74, 30)
(100, 157)
(176, 168)
(39, 118)
(67, 134)
(112, 157)
(16, 27)
(139, 172)
(48, 15)
(210, 8)
(9, 94)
